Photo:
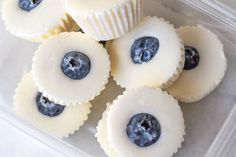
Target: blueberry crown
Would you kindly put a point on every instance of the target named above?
(143, 129)
(47, 107)
(28, 5)
(144, 49)
(75, 65)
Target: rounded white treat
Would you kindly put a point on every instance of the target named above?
(62, 125)
(54, 84)
(162, 70)
(47, 19)
(142, 100)
(197, 83)
(105, 19)
(101, 135)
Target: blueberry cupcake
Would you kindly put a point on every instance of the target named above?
(71, 68)
(151, 55)
(142, 122)
(36, 20)
(105, 19)
(205, 64)
(55, 119)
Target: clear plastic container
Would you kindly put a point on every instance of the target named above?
(210, 123)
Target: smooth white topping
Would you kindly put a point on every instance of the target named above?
(54, 84)
(162, 69)
(62, 125)
(145, 100)
(195, 84)
(47, 15)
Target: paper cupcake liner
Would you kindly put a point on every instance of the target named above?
(113, 23)
(75, 115)
(102, 136)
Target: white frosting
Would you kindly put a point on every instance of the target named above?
(46, 16)
(144, 100)
(164, 67)
(195, 84)
(62, 125)
(52, 82)
(105, 19)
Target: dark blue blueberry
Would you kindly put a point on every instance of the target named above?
(28, 5)
(143, 129)
(75, 65)
(192, 58)
(144, 49)
(47, 107)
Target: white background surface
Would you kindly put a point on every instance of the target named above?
(16, 144)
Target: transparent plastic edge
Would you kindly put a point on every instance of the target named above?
(55, 145)
(230, 12)
(224, 135)
(215, 9)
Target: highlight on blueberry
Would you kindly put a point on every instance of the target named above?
(143, 129)
(28, 5)
(192, 58)
(75, 65)
(47, 107)
(144, 49)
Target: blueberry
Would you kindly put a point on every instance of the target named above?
(75, 65)
(143, 129)
(144, 49)
(28, 5)
(192, 58)
(47, 107)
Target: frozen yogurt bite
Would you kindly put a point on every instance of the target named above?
(205, 64)
(36, 20)
(51, 117)
(142, 122)
(105, 19)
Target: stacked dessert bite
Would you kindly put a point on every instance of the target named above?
(146, 56)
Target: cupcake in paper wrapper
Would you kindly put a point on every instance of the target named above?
(104, 19)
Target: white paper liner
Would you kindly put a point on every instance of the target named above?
(112, 23)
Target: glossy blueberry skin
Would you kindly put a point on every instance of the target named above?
(192, 58)
(143, 129)
(47, 107)
(28, 5)
(75, 65)
(144, 49)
